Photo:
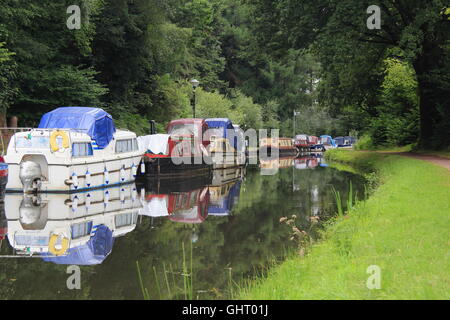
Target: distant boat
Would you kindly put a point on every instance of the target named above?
(343, 142)
(327, 142)
(301, 141)
(74, 149)
(284, 147)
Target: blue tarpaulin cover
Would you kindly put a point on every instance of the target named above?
(93, 252)
(222, 123)
(98, 123)
(329, 140)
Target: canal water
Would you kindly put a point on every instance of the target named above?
(192, 238)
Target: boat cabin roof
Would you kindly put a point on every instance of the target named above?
(95, 122)
(219, 123)
(186, 121)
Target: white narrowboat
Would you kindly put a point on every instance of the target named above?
(74, 149)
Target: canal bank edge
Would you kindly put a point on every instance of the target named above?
(397, 239)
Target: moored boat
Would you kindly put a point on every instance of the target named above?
(74, 149)
(227, 146)
(283, 147)
(181, 151)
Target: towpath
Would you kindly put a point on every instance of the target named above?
(439, 161)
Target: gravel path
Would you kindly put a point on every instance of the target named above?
(442, 162)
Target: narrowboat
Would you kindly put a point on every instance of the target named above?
(301, 141)
(284, 147)
(182, 150)
(74, 149)
(70, 229)
(226, 143)
(327, 142)
(344, 142)
(314, 144)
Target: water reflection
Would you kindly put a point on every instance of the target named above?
(229, 219)
(89, 222)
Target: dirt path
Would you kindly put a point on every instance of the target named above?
(439, 161)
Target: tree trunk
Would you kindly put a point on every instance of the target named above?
(428, 96)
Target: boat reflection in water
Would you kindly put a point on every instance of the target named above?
(191, 200)
(181, 199)
(275, 164)
(71, 229)
(310, 161)
(225, 190)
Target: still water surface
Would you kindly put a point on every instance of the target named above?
(225, 228)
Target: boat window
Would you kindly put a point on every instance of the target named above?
(125, 219)
(28, 240)
(33, 142)
(128, 145)
(82, 149)
(80, 230)
(182, 129)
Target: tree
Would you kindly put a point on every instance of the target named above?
(352, 55)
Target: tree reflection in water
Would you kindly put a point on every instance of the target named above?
(231, 220)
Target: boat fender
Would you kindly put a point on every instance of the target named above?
(88, 179)
(122, 174)
(75, 180)
(106, 174)
(122, 195)
(134, 194)
(75, 204)
(142, 167)
(52, 244)
(54, 144)
(87, 201)
(134, 170)
(106, 199)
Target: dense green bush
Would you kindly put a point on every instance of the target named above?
(364, 143)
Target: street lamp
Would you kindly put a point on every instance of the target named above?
(296, 113)
(195, 83)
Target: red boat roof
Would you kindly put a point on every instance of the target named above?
(187, 121)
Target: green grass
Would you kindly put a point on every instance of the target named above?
(403, 228)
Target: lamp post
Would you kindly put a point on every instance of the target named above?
(195, 83)
(296, 113)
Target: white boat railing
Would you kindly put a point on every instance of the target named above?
(7, 132)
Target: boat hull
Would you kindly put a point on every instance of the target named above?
(72, 178)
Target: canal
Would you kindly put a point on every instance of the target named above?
(190, 238)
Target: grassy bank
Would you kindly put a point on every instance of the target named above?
(403, 228)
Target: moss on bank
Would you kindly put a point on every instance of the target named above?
(402, 228)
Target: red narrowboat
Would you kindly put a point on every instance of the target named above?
(301, 141)
(181, 149)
